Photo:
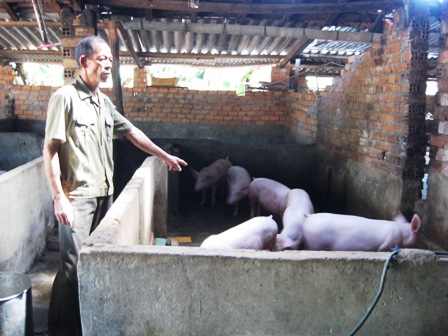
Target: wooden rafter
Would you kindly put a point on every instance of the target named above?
(56, 6)
(249, 8)
(127, 41)
(7, 8)
(303, 43)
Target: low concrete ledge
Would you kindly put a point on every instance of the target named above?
(26, 216)
(159, 290)
(139, 212)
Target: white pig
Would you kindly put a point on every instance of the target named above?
(326, 231)
(257, 233)
(298, 205)
(211, 176)
(238, 180)
(267, 194)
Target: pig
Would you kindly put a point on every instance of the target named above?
(257, 233)
(211, 177)
(238, 180)
(267, 194)
(297, 205)
(326, 231)
(2, 172)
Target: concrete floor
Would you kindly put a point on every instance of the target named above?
(193, 220)
(42, 276)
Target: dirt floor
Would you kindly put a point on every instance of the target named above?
(200, 221)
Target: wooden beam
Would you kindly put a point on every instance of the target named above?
(117, 96)
(286, 17)
(303, 43)
(298, 48)
(250, 30)
(56, 6)
(34, 24)
(148, 55)
(7, 8)
(249, 8)
(129, 45)
(379, 23)
(31, 52)
(30, 24)
(76, 7)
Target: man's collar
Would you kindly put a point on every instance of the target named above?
(83, 89)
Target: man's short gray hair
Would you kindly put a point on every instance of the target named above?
(87, 46)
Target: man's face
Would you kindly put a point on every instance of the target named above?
(99, 64)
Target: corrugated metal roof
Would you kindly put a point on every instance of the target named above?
(208, 39)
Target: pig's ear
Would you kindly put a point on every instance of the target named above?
(194, 173)
(416, 223)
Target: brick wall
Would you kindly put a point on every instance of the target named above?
(371, 114)
(31, 101)
(301, 115)
(176, 105)
(160, 104)
(439, 139)
(436, 220)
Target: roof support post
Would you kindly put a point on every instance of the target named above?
(117, 97)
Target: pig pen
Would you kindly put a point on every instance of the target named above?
(25, 203)
(130, 287)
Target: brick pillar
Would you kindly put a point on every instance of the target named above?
(6, 96)
(140, 78)
(72, 32)
(435, 221)
(139, 95)
(281, 76)
(439, 137)
(417, 140)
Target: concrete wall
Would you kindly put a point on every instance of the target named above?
(127, 288)
(26, 217)
(288, 163)
(139, 211)
(155, 290)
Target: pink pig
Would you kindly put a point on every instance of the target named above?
(326, 231)
(298, 205)
(267, 194)
(238, 180)
(211, 177)
(257, 233)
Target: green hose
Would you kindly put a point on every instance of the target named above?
(380, 291)
(378, 295)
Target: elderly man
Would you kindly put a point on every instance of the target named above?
(78, 158)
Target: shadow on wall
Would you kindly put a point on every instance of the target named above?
(290, 164)
(18, 148)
